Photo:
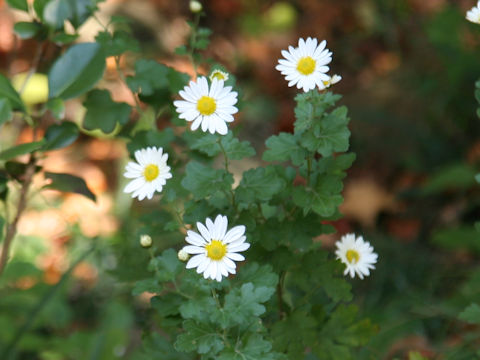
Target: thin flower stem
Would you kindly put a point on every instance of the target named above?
(122, 77)
(193, 40)
(225, 157)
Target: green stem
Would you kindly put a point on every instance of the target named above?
(193, 40)
(309, 169)
(232, 194)
(35, 311)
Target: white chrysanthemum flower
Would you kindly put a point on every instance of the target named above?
(218, 74)
(356, 254)
(216, 249)
(305, 65)
(149, 173)
(473, 14)
(331, 81)
(210, 107)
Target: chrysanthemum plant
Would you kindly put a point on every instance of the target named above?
(247, 276)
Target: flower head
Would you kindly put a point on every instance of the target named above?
(183, 255)
(331, 81)
(473, 14)
(146, 240)
(356, 254)
(149, 173)
(215, 249)
(195, 6)
(211, 107)
(305, 65)
(218, 74)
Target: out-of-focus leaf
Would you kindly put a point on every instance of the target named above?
(55, 12)
(68, 183)
(471, 314)
(76, 71)
(26, 30)
(5, 111)
(21, 150)
(7, 91)
(455, 176)
(59, 136)
(18, 4)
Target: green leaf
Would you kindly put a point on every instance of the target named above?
(202, 338)
(147, 285)
(477, 226)
(18, 4)
(259, 184)
(454, 176)
(26, 30)
(16, 170)
(244, 304)
(5, 111)
(415, 355)
(143, 139)
(55, 12)
(255, 347)
(294, 333)
(80, 11)
(234, 149)
(330, 134)
(117, 43)
(76, 71)
(457, 238)
(149, 76)
(21, 149)
(471, 314)
(323, 198)
(68, 183)
(477, 178)
(310, 109)
(57, 108)
(104, 113)
(177, 80)
(61, 135)
(3, 188)
(167, 266)
(167, 304)
(39, 6)
(7, 91)
(64, 39)
(202, 309)
(2, 225)
(257, 275)
(283, 147)
(203, 181)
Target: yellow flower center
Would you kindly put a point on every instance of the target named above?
(218, 75)
(206, 105)
(352, 256)
(216, 250)
(306, 65)
(326, 83)
(151, 172)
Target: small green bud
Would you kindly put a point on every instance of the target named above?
(183, 255)
(145, 241)
(195, 6)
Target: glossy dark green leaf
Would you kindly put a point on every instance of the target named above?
(26, 30)
(16, 169)
(21, 149)
(56, 12)
(61, 135)
(68, 183)
(5, 111)
(8, 92)
(39, 6)
(18, 4)
(57, 107)
(76, 71)
(64, 38)
(80, 11)
(104, 113)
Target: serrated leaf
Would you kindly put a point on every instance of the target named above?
(5, 111)
(203, 181)
(257, 275)
(255, 347)
(201, 338)
(294, 333)
(117, 43)
(167, 304)
(18, 4)
(147, 285)
(143, 139)
(471, 314)
(68, 183)
(310, 108)
(259, 184)
(202, 309)
(76, 71)
(60, 136)
(244, 304)
(234, 149)
(103, 113)
(283, 147)
(324, 198)
(8, 92)
(167, 266)
(149, 76)
(21, 149)
(26, 30)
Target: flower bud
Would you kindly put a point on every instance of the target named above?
(195, 6)
(145, 241)
(183, 255)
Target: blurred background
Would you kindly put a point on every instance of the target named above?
(409, 69)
